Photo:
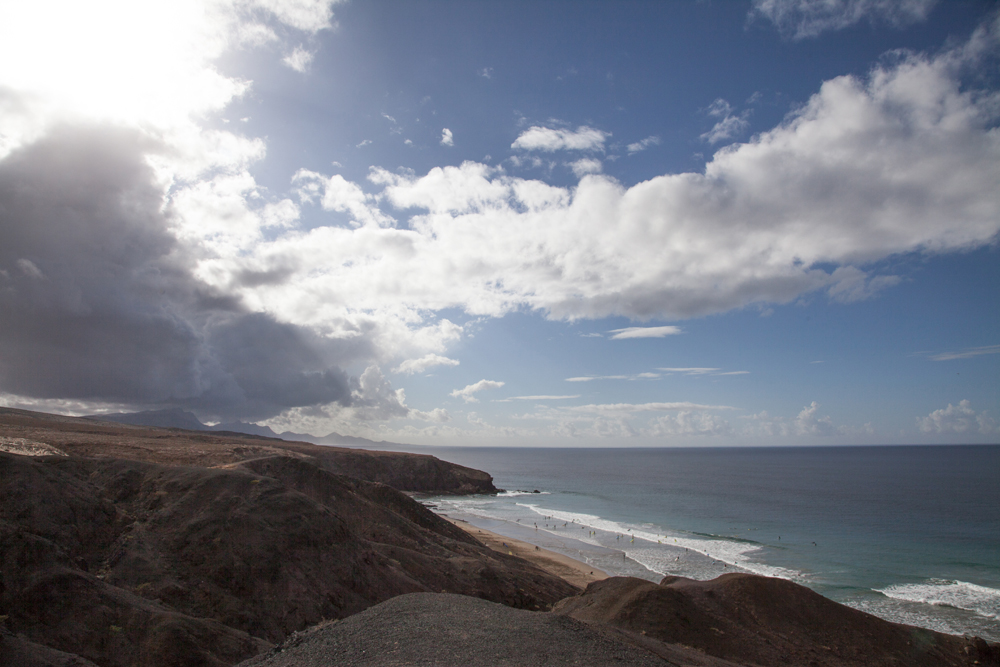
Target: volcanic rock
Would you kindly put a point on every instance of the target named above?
(425, 629)
(765, 621)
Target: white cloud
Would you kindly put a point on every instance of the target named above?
(686, 423)
(702, 371)
(726, 129)
(362, 143)
(643, 144)
(689, 371)
(729, 126)
(543, 398)
(809, 18)
(467, 392)
(447, 139)
(339, 194)
(852, 284)
(29, 269)
(537, 138)
(307, 15)
(439, 415)
(585, 166)
(967, 353)
(807, 423)
(644, 332)
(636, 376)
(613, 408)
(958, 419)
(374, 399)
(411, 366)
(299, 59)
(486, 72)
(394, 127)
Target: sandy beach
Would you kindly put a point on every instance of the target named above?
(575, 572)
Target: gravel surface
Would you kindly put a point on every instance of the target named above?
(452, 630)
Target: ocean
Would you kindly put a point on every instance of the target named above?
(908, 533)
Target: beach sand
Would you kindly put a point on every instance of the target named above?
(575, 572)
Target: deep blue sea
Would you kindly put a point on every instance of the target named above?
(908, 533)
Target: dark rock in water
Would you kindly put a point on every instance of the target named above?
(765, 621)
(453, 631)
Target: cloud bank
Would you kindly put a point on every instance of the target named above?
(957, 419)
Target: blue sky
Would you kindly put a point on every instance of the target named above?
(770, 222)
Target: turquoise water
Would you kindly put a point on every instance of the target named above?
(911, 534)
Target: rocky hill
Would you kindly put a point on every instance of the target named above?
(119, 558)
(174, 446)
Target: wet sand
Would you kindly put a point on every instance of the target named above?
(575, 572)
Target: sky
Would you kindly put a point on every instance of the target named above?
(691, 223)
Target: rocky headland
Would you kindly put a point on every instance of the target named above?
(132, 545)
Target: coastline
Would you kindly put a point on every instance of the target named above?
(575, 572)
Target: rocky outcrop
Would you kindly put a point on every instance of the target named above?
(418, 473)
(453, 631)
(764, 621)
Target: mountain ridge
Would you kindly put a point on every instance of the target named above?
(180, 418)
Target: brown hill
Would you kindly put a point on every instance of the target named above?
(136, 562)
(763, 621)
(419, 473)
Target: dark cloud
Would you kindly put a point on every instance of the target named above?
(269, 367)
(99, 303)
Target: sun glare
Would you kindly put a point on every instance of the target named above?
(142, 63)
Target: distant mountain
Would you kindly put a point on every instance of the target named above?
(178, 418)
(171, 418)
(249, 429)
(334, 439)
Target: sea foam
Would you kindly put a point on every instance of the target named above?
(735, 553)
(511, 494)
(982, 600)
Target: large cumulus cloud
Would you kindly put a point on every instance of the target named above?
(903, 160)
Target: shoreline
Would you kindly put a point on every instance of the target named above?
(575, 572)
